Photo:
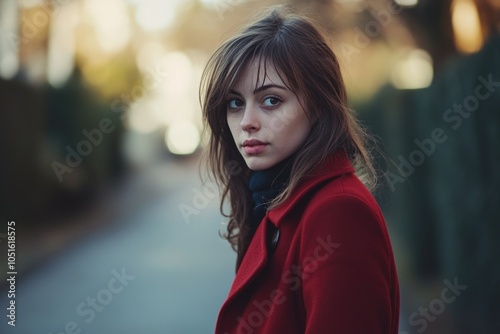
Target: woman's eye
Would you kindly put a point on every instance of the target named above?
(271, 101)
(234, 103)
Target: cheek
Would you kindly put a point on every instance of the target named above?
(297, 131)
(233, 125)
(298, 126)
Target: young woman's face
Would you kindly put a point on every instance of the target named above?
(267, 122)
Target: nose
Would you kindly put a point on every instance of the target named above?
(250, 121)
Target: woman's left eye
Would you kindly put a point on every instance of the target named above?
(271, 101)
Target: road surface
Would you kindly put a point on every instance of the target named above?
(152, 271)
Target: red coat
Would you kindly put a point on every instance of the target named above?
(321, 262)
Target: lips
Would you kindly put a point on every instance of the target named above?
(253, 146)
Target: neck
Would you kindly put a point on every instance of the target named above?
(267, 184)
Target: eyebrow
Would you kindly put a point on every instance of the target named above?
(260, 89)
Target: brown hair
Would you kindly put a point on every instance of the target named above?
(299, 53)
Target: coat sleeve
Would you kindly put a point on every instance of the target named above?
(347, 268)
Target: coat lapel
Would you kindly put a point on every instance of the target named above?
(254, 261)
(257, 255)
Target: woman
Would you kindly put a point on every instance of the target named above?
(313, 252)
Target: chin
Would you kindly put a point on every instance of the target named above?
(256, 163)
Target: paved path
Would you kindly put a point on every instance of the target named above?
(148, 273)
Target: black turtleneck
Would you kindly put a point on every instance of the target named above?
(266, 184)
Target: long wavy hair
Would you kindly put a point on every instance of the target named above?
(299, 53)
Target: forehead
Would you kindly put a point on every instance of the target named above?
(259, 72)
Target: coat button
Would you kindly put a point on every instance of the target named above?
(274, 240)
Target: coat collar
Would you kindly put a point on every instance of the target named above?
(335, 166)
(257, 254)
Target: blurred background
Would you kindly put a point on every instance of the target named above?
(100, 141)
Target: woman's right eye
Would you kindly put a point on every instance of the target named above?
(234, 103)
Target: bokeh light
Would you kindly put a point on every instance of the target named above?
(413, 71)
(182, 138)
(466, 26)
